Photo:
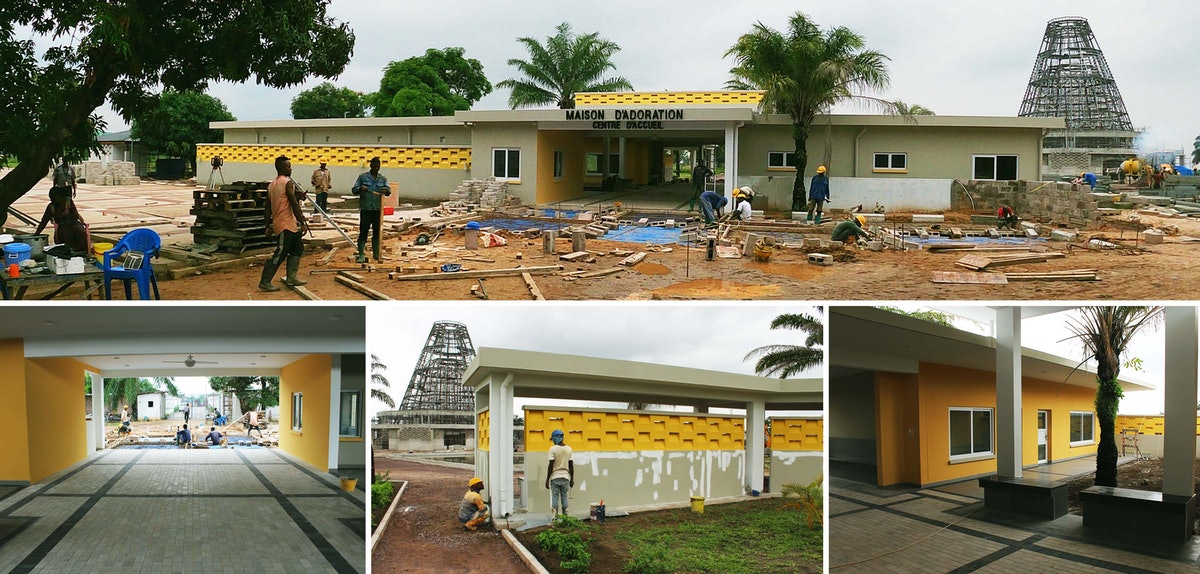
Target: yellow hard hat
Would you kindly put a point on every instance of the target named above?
(322, 160)
(474, 481)
(861, 220)
(820, 169)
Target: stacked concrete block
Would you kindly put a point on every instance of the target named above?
(116, 173)
(487, 193)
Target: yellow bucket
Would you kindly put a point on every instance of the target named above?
(348, 484)
(101, 247)
(698, 504)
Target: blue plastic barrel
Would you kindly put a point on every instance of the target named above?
(15, 253)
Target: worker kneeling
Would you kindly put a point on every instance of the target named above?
(473, 512)
(1006, 217)
(851, 231)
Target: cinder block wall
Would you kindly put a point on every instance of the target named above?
(1063, 202)
(796, 451)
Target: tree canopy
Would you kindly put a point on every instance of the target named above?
(119, 392)
(177, 122)
(328, 101)
(124, 52)
(787, 360)
(566, 65)
(379, 382)
(250, 391)
(435, 84)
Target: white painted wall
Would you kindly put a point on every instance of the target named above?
(895, 194)
(144, 410)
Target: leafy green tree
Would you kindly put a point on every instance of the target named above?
(123, 52)
(122, 391)
(1105, 333)
(784, 361)
(566, 65)
(931, 316)
(266, 393)
(328, 101)
(1196, 151)
(436, 84)
(379, 382)
(805, 72)
(177, 122)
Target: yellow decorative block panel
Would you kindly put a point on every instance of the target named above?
(1147, 424)
(797, 434)
(628, 431)
(668, 98)
(484, 431)
(402, 157)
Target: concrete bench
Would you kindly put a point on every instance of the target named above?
(1038, 497)
(1141, 514)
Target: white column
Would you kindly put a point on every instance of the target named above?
(1008, 391)
(495, 451)
(335, 409)
(1179, 424)
(731, 164)
(504, 427)
(98, 410)
(756, 420)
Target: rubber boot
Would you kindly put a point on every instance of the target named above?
(375, 249)
(362, 256)
(268, 273)
(293, 267)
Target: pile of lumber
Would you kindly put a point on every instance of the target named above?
(981, 262)
(1068, 275)
(233, 217)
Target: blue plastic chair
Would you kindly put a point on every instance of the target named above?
(141, 239)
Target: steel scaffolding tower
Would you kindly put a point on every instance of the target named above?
(435, 393)
(1071, 80)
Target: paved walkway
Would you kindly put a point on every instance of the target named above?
(946, 529)
(168, 510)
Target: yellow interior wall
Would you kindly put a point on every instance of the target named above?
(55, 409)
(549, 189)
(633, 430)
(1060, 400)
(896, 414)
(310, 376)
(14, 449)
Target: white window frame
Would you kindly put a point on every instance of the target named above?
(511, 169)
(559, 161)
(1091, 435)
(995, 160)
(972, 456)
(298, 411)
(355, 413)
(614, 159)
(778, 160)
(891, 162)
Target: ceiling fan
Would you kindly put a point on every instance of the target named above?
(191, 362)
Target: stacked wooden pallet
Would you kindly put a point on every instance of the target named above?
(981, 262)
(234, 217)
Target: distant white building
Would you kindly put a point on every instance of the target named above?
(156, 406)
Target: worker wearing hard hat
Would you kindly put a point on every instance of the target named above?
(472, 511)
(818, 194)
(1086, 177)
(322, 181)
(851, 230)
(742, 197)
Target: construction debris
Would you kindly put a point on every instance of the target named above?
(542, 270)
(980, 262)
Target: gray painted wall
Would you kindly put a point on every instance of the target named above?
(354, 454)
(794, 466)
(851, 419)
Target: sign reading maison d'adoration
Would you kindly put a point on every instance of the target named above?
(625, 119)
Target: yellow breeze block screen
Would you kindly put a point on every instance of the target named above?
(343, 156)
(1146, 425)
(797, 434)
(668, 98)
(483, 431)
(630, 431)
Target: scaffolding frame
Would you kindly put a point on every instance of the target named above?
(435, 393)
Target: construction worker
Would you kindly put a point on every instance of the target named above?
(1006, 217)
(287, 221)
(64, 177)
(700, 175)
(69, 227)
(711, 204)
(125, 421)
(370, 187)
(560, 472)
(183, 437)
(216, 438)
(818, 194)
(322, 181)
(742, 197)
(851, 230)
(1088, 178)
(472, 511)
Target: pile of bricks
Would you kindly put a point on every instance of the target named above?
(234, 217)
(116, 173)
(486, 193)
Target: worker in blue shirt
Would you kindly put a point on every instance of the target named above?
(1088, 178)
(370, 187)
(711, 204)
(818, 194)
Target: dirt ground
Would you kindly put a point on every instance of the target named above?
(424, 534)
(1151, 272)
(1145, 474)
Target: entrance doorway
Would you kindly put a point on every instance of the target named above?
(1043, 436)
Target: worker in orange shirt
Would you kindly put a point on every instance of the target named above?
(472, 511)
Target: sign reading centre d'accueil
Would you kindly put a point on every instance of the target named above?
(619, 119)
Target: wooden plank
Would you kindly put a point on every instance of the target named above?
(304, 292)
(351, 275)
(975, 262)
(969, 278)
(542, 270)
(533, 288)
(355, 285)
(602, 272)
(574, 256)
(328, 257)
(633, 259)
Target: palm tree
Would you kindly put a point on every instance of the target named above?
(119, 392)
(787, 360)
(805, 72)
(380, 382)
(1196, 151)
(1105, 333)
(566, 65)
(900, 108)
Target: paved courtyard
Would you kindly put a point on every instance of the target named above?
(946, 529)
(168, 510)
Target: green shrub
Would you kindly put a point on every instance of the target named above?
(649, 561)
(807, 499)
(381, 494)
(566, 522)
(570, 547)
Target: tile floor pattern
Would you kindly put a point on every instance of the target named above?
(945, 529)
(212, 511)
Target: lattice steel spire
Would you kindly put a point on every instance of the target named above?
(435, 393)
(1071, 80)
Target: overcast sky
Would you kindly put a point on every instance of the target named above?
(703, 336)
(954, 57)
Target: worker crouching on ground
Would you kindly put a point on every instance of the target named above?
(1086, 177)
(1006, 218)
(370, 187)
(560, 473)
(851, 231)
(818, 194)
(742, 197)
(69, 227)
(711, 204)
(183, 437)
(473, 512)
(287, 221)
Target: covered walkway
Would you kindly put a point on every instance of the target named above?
(171, 510)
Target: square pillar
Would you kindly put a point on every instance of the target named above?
(756, 419)
(1008, 392)
(731, 162)
(335, 410)
(1179, 423)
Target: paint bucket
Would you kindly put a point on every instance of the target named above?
(698, 504)
(100, 247)
(762, 249)
(15, 253)
(348, 483)
(596, 512)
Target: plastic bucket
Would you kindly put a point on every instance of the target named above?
(698, 504)
(15, 253)
(596, 512)
(36, 242)
(348, 484)
(388, 210)
(100, 247)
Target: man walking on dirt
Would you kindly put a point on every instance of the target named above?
(287, 220)
(370, 189)
(472, 511)
(322, 181)
(560, 472)
(818, 194)
(700, 174)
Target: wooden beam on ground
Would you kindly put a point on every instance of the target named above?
(328, 257)
(351, 275)
(355, 285)
(533, 288)
(602, 272)
(541, 270)
(969, 278)
(239, 262)
(633, 259)
(304, 292)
